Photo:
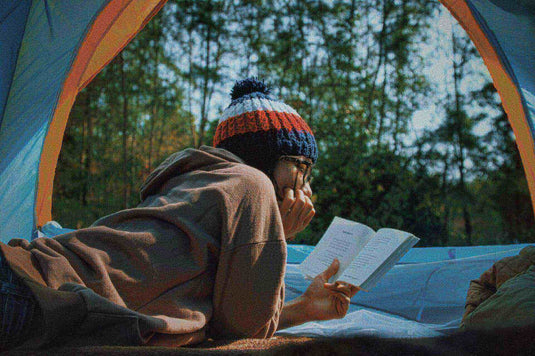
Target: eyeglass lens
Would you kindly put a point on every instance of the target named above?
(307, 174)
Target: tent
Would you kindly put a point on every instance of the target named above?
(50, 50)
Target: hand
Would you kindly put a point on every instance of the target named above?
(325, 301)
(296, 212)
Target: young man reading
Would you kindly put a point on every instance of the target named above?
(202, 256)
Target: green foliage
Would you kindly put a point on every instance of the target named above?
(352, 69)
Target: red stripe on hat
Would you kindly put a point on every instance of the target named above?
(260, 120)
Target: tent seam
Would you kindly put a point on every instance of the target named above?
(143, 24)
(110, 25)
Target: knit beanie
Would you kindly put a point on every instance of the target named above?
(259, 129)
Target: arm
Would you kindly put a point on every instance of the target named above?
(321, 300)
(293, 313)
(248, 293)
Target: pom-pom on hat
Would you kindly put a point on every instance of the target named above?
(260, 129)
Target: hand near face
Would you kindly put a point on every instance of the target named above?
(296, 210)
(325, 301)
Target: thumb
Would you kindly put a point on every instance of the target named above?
(331, 271)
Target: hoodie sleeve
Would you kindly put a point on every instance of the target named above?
(249, 287)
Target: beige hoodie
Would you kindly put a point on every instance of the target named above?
(202, 256)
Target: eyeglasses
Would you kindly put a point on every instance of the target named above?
(307, 176)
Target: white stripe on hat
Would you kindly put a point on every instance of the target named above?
(256, 104)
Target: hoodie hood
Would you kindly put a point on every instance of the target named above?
(183, 162)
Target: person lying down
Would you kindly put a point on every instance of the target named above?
(202, 256)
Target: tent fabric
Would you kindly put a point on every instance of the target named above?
(12, 21)
(503, 32)
(116, 25)
(52, 49)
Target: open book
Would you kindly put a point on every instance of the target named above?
(365, 255)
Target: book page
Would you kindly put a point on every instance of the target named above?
(373, 255)
(390, 262)
(343, 240)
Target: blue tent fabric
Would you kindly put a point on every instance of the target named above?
(512, 25)
(504, 33)
(52, 33)
(13, 16)
(298, 253)
(48, 51)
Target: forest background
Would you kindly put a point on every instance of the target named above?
(410, 130)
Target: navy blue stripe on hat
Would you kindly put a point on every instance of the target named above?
(262, 148)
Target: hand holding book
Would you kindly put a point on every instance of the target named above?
(326, 301)
(321, 301)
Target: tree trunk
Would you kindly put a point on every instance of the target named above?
(155, 103)
(193, 128)
(444, 188)
(124, 97)
(204, 104)
(457, 68)
(382, 111)
(81, 174)
(382, 57)
(88, 146)
(396, 123)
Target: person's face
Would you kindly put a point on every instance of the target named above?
(292, 172)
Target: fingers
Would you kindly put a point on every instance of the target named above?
(347, 289)
(341, 296)
(331, 270)
(298, 205)
(354, 290)
(288, 202)
(307, 207)
(301, 211)
(341, 302)
(297, 210)
(292, 215)
(309, 217)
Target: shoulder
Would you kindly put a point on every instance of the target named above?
(251, 217)
(250, 192)
(250, 180)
